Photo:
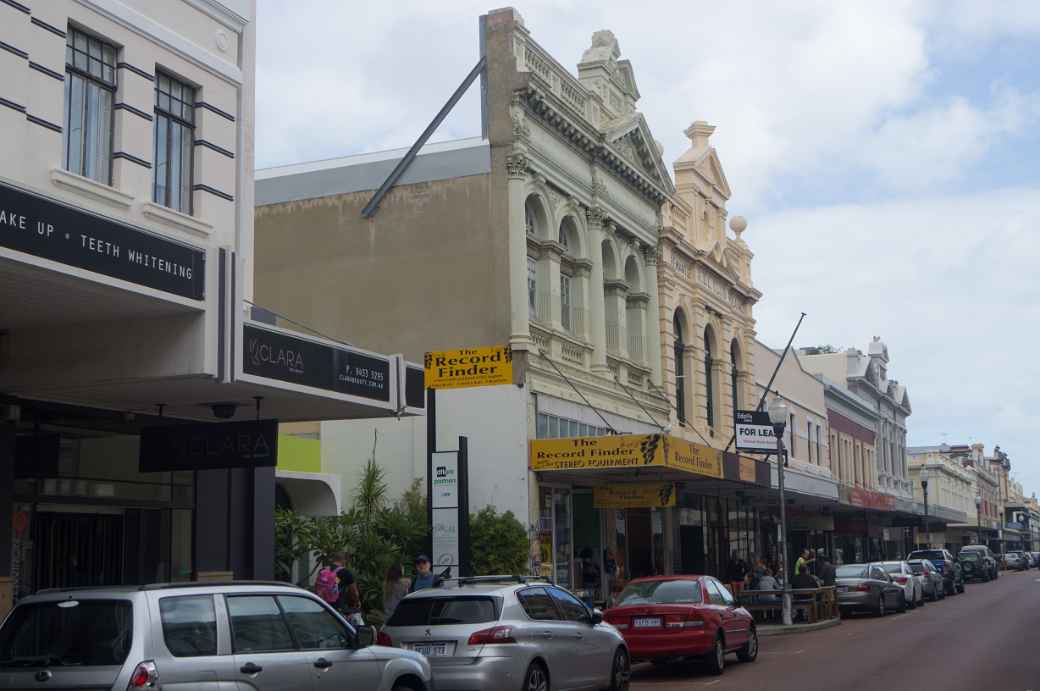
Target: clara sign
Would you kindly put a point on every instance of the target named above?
(208, 446)
(755, 432)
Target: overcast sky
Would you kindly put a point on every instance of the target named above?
(885, 153)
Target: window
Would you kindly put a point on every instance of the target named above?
(538, 605)
(570, 607)
(819, 453)
(174, 142)
(734, 359)
(565, 300)
(529, 220)
(661, 593)
(715, 593)
(680, 368)
(532, 285)
(257, 625)
(808, 438)
(85, 633)
(709, 402)
(794, 437)
(313, 626)
(90, 85)
(727, 597)
(189, 625)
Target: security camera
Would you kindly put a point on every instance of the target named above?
(224, 411)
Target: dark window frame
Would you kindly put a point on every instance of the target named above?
(543, 591)
(679, 351)
(169, 120)
(112, 86)
(709, 383)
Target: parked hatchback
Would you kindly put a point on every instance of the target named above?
(1016, 561)
(950, 568)
(669, 617)
(929, 577)
(196, 636)
(504, 632)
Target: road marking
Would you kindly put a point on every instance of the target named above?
(712, 683)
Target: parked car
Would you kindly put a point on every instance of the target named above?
(669, 617)
(1016, 561)
(978, 563)
(932, 583)
(903, 576)
(254, 635)
(866, 587)
(950, 568)
(502, 632)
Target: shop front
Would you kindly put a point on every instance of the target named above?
(620, 507)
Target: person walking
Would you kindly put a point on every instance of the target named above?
(825, 569)
(736, 573)
(395, 587)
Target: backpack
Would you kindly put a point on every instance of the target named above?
(326, 586)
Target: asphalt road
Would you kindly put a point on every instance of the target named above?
(987, 639)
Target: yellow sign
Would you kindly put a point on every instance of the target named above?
(634, 496)
(456, 369)
(597, 453)
(694, 458)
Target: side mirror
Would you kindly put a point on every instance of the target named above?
(366, 636)
(597, 617)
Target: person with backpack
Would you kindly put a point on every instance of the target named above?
(335, 584)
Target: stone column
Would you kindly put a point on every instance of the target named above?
(653, 325)
(617, 312)
(597, 326)
(520, 332)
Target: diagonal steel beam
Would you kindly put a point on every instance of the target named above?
(373, 204)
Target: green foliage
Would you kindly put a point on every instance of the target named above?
(498, 543)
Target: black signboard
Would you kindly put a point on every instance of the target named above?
(50, 230)
(414, 387)
(276, 355)
(209, 445)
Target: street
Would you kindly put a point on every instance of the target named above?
(985, 639)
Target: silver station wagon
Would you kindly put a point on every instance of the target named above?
(507, 632)
(199, 637)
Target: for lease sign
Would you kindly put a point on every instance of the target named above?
(456, 369)
(755, 432)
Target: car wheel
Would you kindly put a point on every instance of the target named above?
(750, 650)
(717, 657)
(536, 679)
(620, 671)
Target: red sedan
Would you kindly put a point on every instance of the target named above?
(669, 617)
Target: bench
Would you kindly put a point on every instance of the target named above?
(810, 604)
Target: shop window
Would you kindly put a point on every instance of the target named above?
(90, 87)
(174, 142)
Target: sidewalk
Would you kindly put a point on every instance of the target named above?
(781, 630)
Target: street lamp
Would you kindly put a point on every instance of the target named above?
(924, 487)
(778, 416)
(978, 516)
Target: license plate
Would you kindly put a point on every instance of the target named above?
(646, 622)
(435, 649)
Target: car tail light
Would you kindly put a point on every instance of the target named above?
(145, 676)
(901, 580)
(863, 587)
(679, 621)
(384, 639)
(492, 636)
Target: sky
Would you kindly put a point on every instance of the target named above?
(886, 154)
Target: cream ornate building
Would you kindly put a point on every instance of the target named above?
(706, 323)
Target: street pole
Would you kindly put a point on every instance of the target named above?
(781, 462)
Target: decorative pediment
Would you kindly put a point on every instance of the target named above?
(630, 136)
(703, 158)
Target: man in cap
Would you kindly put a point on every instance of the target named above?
(424, 577)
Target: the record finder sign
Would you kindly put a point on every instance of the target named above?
(755, 432)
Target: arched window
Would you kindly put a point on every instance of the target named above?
(709, 386)
(734, 359)
(680, 367)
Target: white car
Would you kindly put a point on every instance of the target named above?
(903, 576)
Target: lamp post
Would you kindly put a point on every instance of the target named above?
(778, 416)
(978, 516)
(927, 524)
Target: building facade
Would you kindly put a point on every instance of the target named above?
(126, 187)
(951, 495)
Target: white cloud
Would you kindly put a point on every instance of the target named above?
(949, 282)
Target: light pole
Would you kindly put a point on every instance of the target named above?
(778, 416)
(978, 516)
(927, 525)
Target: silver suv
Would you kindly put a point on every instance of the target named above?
(505, 632)
(201, 636)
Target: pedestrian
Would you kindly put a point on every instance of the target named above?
(804, 579)
(349, 595)
(590, 575)
(735, 573)
(424, 577)
(395, 587)
(825, 570)
(802, 560)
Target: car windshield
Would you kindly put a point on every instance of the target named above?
(918, 568)
(682, 592)
(930, 554)
(444, 611)
(92, 633)
(851, 571)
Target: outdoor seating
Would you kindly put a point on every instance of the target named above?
(809, 605)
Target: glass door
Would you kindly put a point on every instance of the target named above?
(563, 543)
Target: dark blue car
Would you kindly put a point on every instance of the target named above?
(950, 568)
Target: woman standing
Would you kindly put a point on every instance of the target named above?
(395, 587)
